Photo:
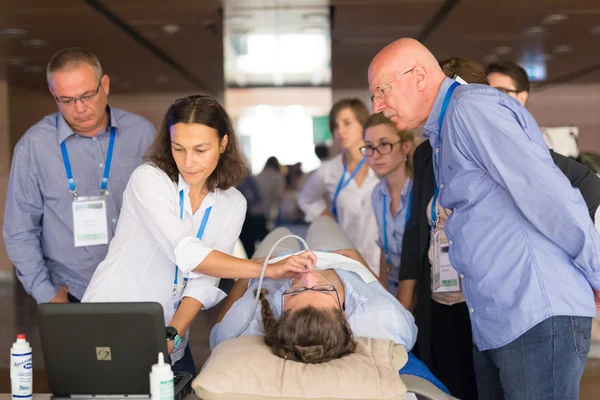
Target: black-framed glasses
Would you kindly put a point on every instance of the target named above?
(85, 99)
(294, 290)
(385, 88)
(382, 149)
(506, 91)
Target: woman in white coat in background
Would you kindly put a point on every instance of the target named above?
(347, 181)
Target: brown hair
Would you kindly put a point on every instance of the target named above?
(468, 70)
(358, 108)
(405, 136)
(308, 335)
(72, 57)
(232, 167)
(512, 70)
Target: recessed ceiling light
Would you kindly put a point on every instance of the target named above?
(315, 16)
(490, 58)
(562, 49)
(502, 50)
(34, 69)
(35, 43)
(238, 19)
(534, 30)
(553, 19)
(313, 29)
(13, 32)
(16, 61)
(171, 28)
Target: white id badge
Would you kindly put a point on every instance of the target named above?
(90, 226)
(445, 277)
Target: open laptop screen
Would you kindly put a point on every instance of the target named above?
(101, 348)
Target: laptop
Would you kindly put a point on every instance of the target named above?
(103, 349)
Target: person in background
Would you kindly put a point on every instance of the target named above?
(272, 185)
(254, 228)
(67, 179)
(527, 264)
(389, 154)
(347, 181)
(180, 220)
(510, 78)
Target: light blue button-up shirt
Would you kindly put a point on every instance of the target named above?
(394, 226)
(519, 232)
(372, 312)
(38, 220)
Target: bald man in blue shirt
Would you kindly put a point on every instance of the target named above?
(519, 236)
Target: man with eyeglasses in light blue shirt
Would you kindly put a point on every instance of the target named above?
(67, 179)
(519, 236)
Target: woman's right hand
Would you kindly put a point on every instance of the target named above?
(292, 266)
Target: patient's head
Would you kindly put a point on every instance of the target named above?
(313, 327)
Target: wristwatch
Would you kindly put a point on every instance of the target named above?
(173, 335)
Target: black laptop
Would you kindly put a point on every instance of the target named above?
(103, 349)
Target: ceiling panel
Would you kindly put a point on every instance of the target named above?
(482, 30)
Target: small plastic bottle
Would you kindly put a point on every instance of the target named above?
(161, 380)
(21, 369)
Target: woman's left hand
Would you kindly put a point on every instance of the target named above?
(597, 299)
(170, 346)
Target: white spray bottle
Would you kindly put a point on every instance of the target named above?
(161, 380)
(21, 369)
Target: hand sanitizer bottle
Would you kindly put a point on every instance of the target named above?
(161, 380)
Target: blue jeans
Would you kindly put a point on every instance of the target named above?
(545, 362)
(186, 363)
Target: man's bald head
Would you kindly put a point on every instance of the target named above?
(404, 78)
(403, 54)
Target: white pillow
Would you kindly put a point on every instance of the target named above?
(245, 368)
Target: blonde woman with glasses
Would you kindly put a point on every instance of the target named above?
(389, 154)
(180, 219)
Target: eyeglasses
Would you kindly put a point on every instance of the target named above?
(383, 148)
(506, 91)
(385, 88)
(294, 290)
(198, 100)
(85, 99)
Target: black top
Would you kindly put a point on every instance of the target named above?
(414, 262)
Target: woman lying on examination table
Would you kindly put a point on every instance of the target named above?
(314, 317)
(180, 219)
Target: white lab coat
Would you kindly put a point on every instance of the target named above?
(355, 214)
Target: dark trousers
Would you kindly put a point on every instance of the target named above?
(452, 349)
(73, 299)
(186, 363)
(254, 230)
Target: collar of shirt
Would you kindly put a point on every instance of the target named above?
(353, 299)
(432, 125)
(64, 130)
(208, 201)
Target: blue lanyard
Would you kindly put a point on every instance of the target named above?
(342, 184)
(65, 155)
(434, 214)
(385, 237)
(200, 229)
